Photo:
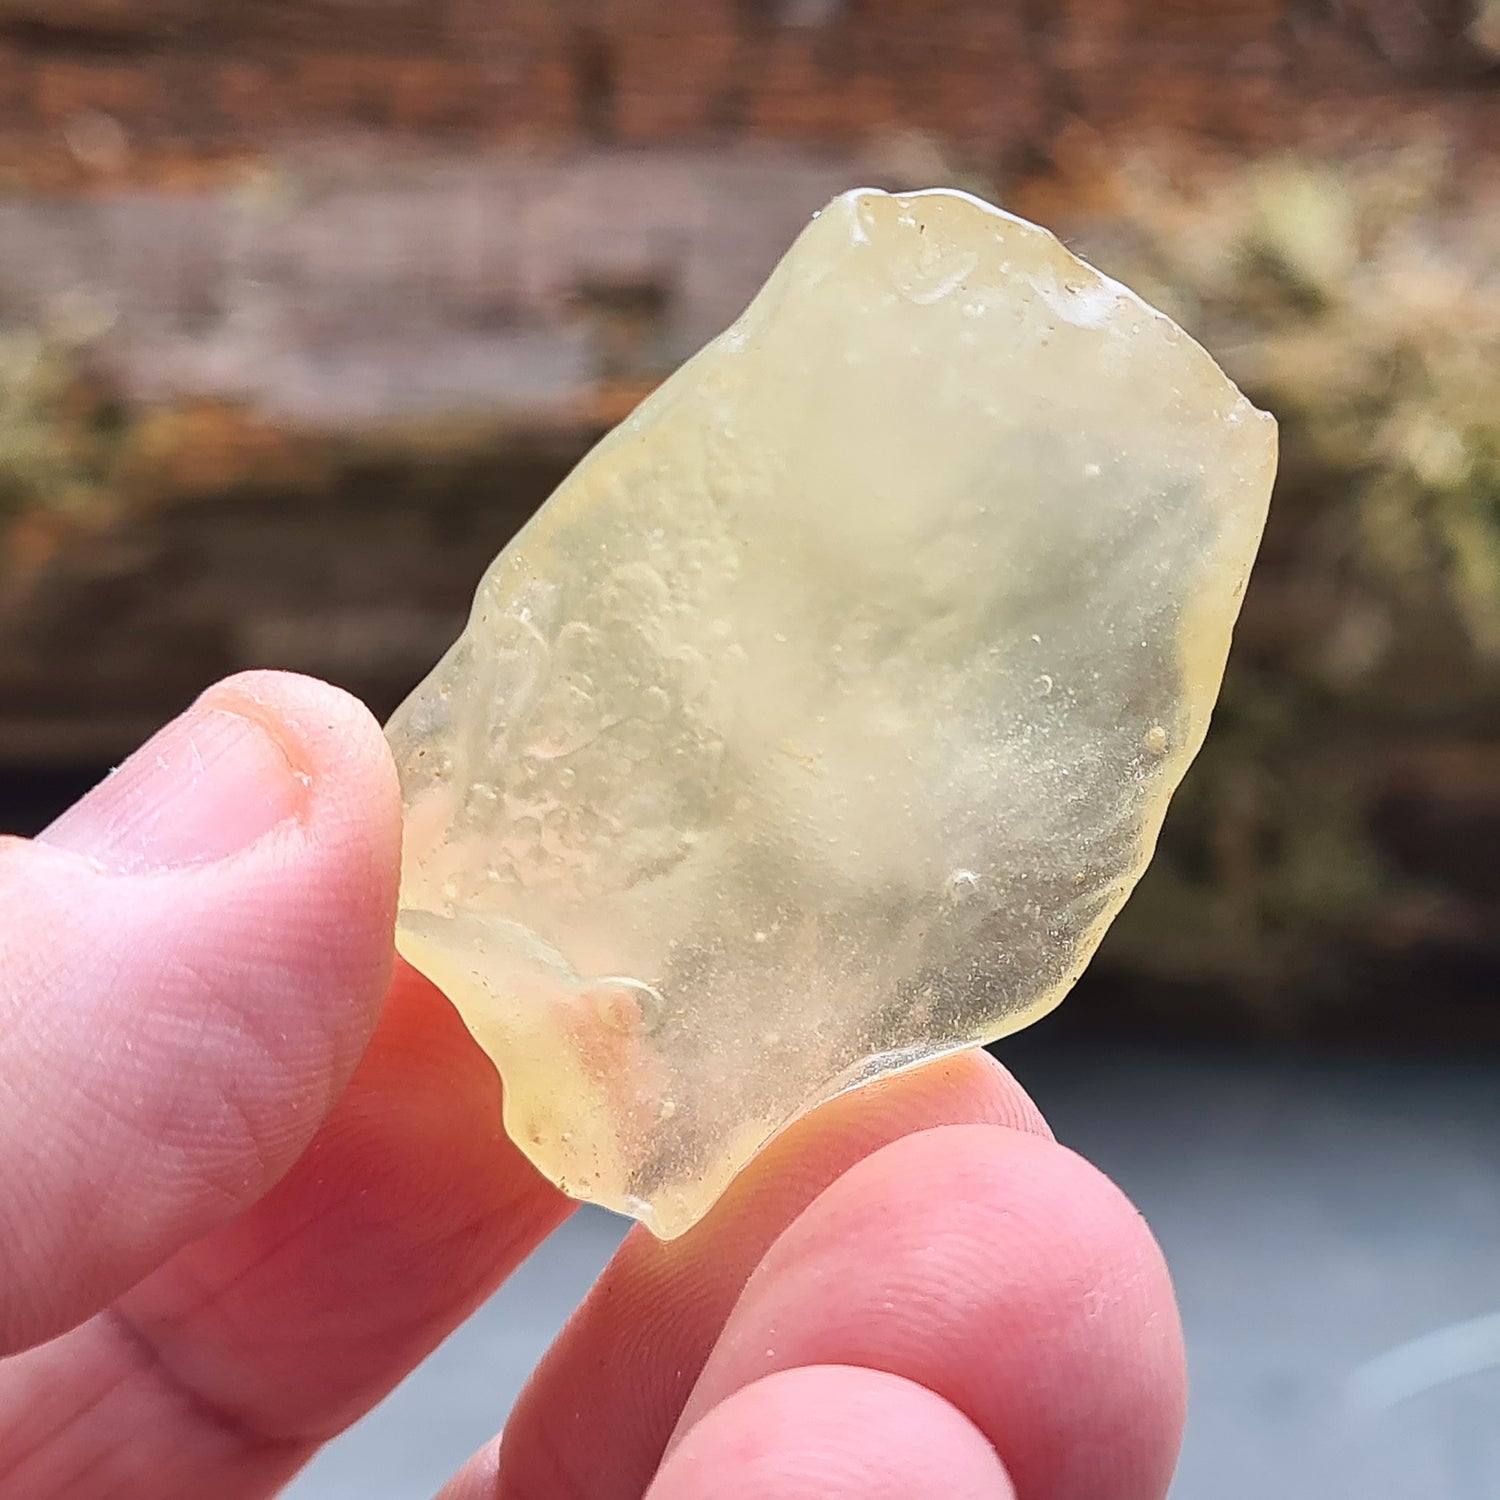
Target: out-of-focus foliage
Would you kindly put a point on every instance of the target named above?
(1315, 848)
(57, 429)
(1484, 29)
(1361, 303)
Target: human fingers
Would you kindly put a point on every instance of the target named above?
(191, 963)
(833, 1432)
(223, 1372)
(595, 1418)
(999, 1271)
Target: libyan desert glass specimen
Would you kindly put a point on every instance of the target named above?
(821, 721)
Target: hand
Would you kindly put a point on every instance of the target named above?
(249, 1177)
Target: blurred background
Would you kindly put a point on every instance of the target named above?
(306, 304)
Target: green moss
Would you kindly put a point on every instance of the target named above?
(57, 437)
(1360, 302)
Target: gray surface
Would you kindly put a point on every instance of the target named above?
(1316, 1215)
(351, 284)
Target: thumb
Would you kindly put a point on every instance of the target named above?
(191, 962)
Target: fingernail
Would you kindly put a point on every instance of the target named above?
(206, 786)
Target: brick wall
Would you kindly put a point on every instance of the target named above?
(994, 80)
(348, 210)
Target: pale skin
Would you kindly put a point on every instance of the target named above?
(252, 1170)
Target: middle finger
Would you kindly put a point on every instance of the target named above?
(595, 1418)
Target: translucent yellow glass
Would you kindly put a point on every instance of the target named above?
(823, 719)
